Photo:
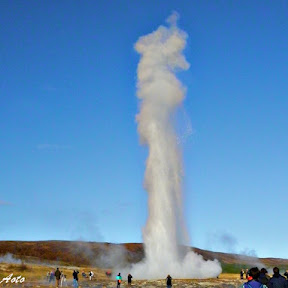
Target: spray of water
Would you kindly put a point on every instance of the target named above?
(165, 237)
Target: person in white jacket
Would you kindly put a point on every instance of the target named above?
(61, 279)
(91, 274)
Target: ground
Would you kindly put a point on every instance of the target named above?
(35, 276)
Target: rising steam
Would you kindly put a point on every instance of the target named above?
(165, 237)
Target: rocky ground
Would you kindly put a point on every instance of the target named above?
(217, 283)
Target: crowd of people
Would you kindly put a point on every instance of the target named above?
(61, 280)
(255, 278)
(129, 280)
(260, 278)
(58, 277)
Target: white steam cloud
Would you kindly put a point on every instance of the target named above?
(161, 93)
(9, 258)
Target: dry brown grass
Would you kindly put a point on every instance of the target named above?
(34, 273)
(84, 253)
(229, 276)
(18, 267)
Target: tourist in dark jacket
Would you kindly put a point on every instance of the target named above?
(169, 281)
(75, 275)
(75, 278)
(264, 277)
(277, 281)
(129, 279)
(57, 276)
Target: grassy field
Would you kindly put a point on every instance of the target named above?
(34, 272)
(35, 276)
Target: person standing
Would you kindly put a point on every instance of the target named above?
(129, 279)
(253, 283)
(263, 277)
(246, 273)
(91, 274)
(277, 280)
(169, 281)
(51, 277)
(62, 279)
(75, 279)
(65, 281)
(119, 280)
(57, 276)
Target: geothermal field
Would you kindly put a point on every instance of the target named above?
(35, 276)
(33, 260)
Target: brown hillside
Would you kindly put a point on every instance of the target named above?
(106, 254)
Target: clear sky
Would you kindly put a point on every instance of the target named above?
(71, 165)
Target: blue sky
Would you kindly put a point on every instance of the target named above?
(71, 164)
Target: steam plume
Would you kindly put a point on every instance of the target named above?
(9, 258)
(161, 93)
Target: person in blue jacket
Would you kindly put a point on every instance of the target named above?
(253, 283)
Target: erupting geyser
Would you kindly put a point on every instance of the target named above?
(161, 93)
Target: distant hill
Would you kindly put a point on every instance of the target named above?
(105, 255)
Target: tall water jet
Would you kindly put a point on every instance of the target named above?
(160, 92)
